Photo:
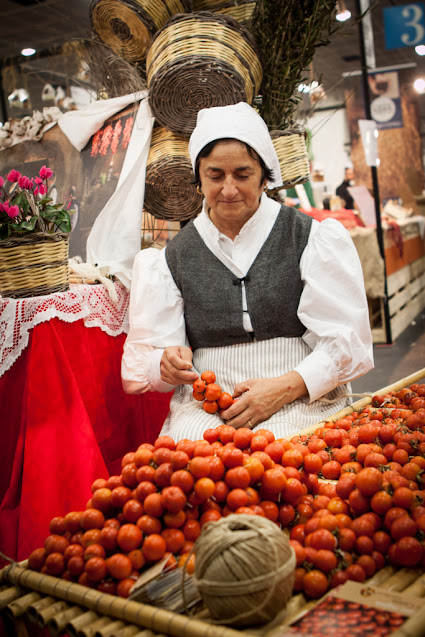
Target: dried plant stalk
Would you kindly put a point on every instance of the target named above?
(288, 33)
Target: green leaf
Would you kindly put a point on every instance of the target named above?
(60, 218)
(27, 226)
(21, 201)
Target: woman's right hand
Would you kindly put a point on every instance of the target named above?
(176, 366)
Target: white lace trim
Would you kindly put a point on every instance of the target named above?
(88, 302)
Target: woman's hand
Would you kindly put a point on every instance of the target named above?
(260, 398)
(176, 363)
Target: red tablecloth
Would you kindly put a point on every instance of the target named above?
(65, 421)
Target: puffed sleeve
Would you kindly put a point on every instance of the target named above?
(156, 321)
(334, 310)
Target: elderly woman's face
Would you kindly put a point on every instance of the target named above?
(232, 184)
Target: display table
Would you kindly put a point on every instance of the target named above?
(65, 419)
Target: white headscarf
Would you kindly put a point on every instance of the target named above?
(237, 121)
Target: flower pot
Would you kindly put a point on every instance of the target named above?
(34, 265)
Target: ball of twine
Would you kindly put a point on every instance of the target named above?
(244, 569)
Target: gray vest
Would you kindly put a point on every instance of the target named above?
(212, 294)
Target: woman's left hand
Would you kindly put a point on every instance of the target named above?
(260, 398)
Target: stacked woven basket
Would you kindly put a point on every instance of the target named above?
(195, 60)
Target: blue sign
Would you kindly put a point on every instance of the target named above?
(404, 25)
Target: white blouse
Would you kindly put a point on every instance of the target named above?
(333, 305)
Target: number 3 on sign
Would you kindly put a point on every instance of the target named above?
(404, 25)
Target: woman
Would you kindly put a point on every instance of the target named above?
(263, 295)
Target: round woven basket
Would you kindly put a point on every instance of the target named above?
(169, 193)
(34, 265)
(240, 10)
(291, 149)
(127, 27)
(196, 61)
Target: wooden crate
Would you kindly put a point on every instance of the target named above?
(406, 298)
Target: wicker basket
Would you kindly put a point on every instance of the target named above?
(291, 149)
(169, 193)
(34, 265)
(127, 27)
(196, 61)
(240, 10)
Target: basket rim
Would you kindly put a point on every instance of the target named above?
(34, 237)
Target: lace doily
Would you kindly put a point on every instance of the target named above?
(88, 302)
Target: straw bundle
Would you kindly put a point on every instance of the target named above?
(127, 27)
(197, 61)
(34, 265)
(169, 193)
(240, 10)
(291, 149)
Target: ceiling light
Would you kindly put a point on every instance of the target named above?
(28, 51)
(420, 49)
(419, 85)
(342, 12)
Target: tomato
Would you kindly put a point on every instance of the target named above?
(232, 457)
(191, 530)
(154, 547)
(259, 443)
(381, 502)
(174, 539)
(331, 470)
(315, 584)
(149, 524)
(346, 539)
(299, 550)
(204, 489)
(312, 463)
(208, 377)
(132, 510)
(212, 516)
(242, 437)
(323, 539)
(292, 458)
(55, 544)
(54, 564)
(369, 481)
(364, 545)
(239, 477)
(188, 562)
(392, 515)
(94, 550)
(129, 475)
(225, 400)
(36, 559)
(173, 499)
(325, 560)
(108, 538)
(95, 568)
(408, 551)
(75, 565)
(236, 498)
(356, 573)
(199, 385)
(174, 520)
(403, 526)
(368, 564)
(292, 491)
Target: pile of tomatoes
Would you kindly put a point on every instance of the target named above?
(210, 394)
(350, 496)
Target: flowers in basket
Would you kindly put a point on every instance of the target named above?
(26, 207)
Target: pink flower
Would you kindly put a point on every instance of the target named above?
(13, 176)
(41, 189)
(25, 183)
(45, 172)
(5, 206)
(1, 181)
(13, 211)
(38, 180)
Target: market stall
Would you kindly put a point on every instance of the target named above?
(396, 581)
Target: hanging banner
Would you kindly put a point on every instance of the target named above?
(385, 102)
(404, 25)
(369, 135)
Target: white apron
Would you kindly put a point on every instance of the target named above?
(236, 363)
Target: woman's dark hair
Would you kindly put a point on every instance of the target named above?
(266, 173)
